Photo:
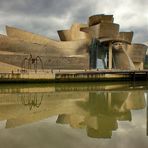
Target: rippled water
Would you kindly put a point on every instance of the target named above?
(88, 115)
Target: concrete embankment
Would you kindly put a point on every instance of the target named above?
(74, 76)
(27, 77)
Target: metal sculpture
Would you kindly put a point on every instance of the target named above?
(30, 62)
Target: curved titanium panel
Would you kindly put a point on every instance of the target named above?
(74, 33)
(120, 57)
(27, 36)
(65, 35)
(104, 30)
(69, 48)
(125, 36)
(14, 51)
(97, 19)
(137, 52)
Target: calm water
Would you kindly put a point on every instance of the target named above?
(88, 115)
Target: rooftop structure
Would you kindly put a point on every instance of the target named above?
(99, 44)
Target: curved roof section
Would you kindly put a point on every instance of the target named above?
(27, 36)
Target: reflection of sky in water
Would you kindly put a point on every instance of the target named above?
(46, 133)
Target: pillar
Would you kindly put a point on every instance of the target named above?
(110, 56)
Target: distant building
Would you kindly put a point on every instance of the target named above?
(96, 45)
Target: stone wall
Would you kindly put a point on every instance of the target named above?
(46, 62)
(67, 63)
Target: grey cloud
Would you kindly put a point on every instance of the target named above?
(45, 17)
(84, 10)
(48, 134)
(141, 34)
(37, 7)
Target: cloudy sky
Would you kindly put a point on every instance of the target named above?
(45, 17)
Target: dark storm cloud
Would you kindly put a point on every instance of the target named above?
(36, 14)
(30, 14)
(47, 16)
(37, 7)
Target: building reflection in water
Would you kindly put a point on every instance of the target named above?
(95, 108)
(104, 109)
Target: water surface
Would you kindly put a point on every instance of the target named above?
(73, 115)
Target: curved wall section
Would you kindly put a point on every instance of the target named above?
(137, 52)
(74, 33)
(77, 45)
(65, 35)
(59, 49)
(71, 54)
(104, 30)
(27, 36)
(121, 58)
(125, 36)
(97, 19)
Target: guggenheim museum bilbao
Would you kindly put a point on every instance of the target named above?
(98, 44)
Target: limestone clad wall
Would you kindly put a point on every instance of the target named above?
(67, 63)
(48, 62)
